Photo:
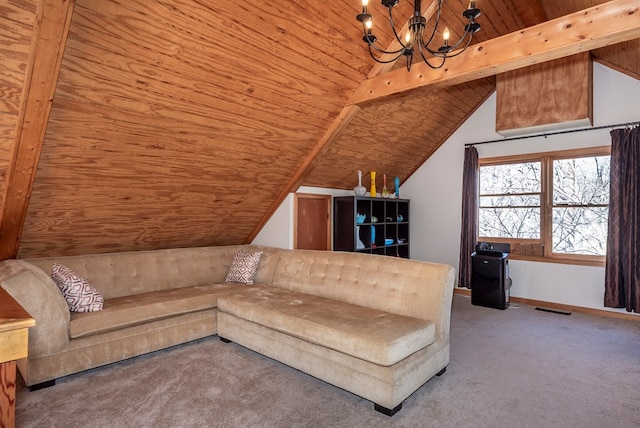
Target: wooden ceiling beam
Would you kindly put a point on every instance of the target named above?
(606, 24)
(53, 18)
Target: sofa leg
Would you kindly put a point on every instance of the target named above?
(42, 385)
(222, 339)
(441, 372)
(385, 411)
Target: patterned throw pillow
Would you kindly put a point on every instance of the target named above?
(79, 294)
(244, 267)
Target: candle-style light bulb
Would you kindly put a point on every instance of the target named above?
(445, 36)
(365, 3)
(472, 4)
(368, 24)
(407, 38)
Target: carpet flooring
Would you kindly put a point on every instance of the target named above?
(514, 368)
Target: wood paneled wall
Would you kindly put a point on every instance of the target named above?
(407, 131)
(177, 123)
(546, 96)
(16, 33)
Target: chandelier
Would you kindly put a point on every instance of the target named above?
(414, 39)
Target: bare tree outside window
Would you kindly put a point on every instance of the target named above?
(549, 205)
(580, 205)
(510, 200)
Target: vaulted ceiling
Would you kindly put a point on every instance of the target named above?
(130, 125)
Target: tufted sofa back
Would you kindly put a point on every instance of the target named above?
(408, 287)
(127, 273)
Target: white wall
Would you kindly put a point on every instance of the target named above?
(436, 198)
(278, 232)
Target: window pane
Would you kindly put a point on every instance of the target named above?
(580, 230)
(510, 201)
(521, 223)
(581, 181)
(510, 178)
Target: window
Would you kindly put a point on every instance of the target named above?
(510, 200)
(550, 206)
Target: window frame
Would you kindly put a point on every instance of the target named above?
(536, 249)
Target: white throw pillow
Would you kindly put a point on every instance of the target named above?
(243, 268)
(79, 294)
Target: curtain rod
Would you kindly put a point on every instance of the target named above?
(569, 131)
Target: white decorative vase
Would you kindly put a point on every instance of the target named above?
(359, 190)
(359, 243)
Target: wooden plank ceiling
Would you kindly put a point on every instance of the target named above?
(186, 123)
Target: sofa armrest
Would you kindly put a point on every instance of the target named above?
(36, 292)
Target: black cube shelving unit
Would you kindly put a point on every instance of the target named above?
(392, 224)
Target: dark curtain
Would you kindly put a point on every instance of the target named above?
(622, 273)
(469, 230)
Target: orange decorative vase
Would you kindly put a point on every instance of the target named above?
(385, 192)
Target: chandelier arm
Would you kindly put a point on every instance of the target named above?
(426, 60)
(376, 59)
(373, 45)
(435, 67)
(382, 51)
(395, 32)
(435, 27)
(461, 50)
(467, 32)
(446, 54)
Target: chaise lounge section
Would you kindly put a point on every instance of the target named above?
(374, 325)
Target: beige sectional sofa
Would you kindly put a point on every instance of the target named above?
(374, 325)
